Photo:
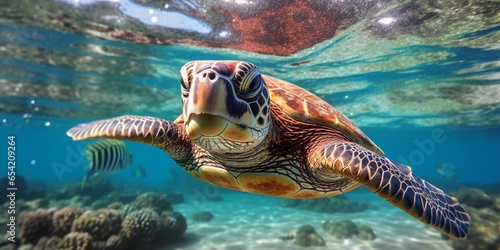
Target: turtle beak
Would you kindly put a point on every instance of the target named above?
(213, 94)
(207, 94)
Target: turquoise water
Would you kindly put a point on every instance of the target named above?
(425, 102)
(473, 150)
(68, 83)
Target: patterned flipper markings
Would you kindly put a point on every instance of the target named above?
(397, 184)
(144, 129)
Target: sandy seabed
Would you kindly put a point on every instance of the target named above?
(247, 221)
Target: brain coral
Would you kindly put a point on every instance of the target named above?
(115, 242)
(157, 202)
(127, 208)
(76, 241)
(63, 219)
(100, 224)
(173, 226)
(46, 243)
(35, 225)
(141, 226)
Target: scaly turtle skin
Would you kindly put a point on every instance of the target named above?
(255, 133)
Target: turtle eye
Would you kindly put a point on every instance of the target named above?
(185, 88)
(250, 89)
(183, 84)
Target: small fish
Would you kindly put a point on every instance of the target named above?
(106, 156)
(448, 171)
(139, 172)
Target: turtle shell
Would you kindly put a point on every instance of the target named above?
(304, 106)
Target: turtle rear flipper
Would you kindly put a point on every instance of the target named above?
(397, 184)
(164, 134)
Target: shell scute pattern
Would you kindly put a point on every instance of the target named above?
(306, 107)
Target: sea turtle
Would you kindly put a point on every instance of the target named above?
(251, 132)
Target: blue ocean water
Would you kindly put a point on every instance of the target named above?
(469, 135)
(424, 104)
(473, 150)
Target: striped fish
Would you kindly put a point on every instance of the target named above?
(106, 156)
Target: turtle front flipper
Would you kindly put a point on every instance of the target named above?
(398, 185)
(164, 134)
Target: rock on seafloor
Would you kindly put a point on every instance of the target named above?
(346, 229)
(307, 236)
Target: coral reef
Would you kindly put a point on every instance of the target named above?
(46, 243)
(347, 229)
(127, 208)
(147, 221)
(203, 216)
(35, 225)
(173, 226)
(140, 227)
(157, 202)
(100, 224)
(328, 204)
(62, 219)
(115, 242)
(77, 241)
(307, 236)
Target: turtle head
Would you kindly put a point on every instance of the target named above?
(225, 104)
